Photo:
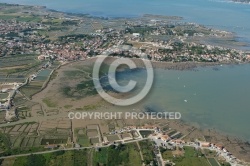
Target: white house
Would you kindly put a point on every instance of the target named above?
(136, 34)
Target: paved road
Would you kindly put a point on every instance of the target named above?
(44, 152)
(66, 149)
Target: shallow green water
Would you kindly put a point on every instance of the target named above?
(43, 75)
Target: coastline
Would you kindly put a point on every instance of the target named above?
(233, 143)
(174, 16)
(187, 66)
(182, 66)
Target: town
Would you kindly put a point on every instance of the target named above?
(163, 39)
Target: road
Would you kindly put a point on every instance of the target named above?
(66, 149)
(44, 152)
(142, 159)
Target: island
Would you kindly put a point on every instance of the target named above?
(242, 1)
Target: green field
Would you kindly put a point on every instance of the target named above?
(213, 162)
(49, 102)
(147, 148)
(191, 157)
(83, 88)
(62, 158)
(114, 155)
(8, 16)
(18, 142)
(145, 133)
(30, 90)
(82, 137)
(121, 155)
(101, 157)
(53, 141)
(3, 95)
(4, 142)
(24, 64)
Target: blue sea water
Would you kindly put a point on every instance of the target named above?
(222, 14)
(208, 97)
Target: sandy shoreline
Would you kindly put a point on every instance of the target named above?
(237, 146)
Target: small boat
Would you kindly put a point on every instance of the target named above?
(186, 101)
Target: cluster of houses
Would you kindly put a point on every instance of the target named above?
(7, 88)
(17, 37)
(72, 48)
(7, 103)
(170, 141)
(219, 148)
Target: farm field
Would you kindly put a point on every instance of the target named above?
(112, 138)
(53, 141)
(82, 137)
(62, 158)
(145, 133)
(185, 156)
(94, 141)
(3, 95)
(30, 90)
(213, 162)
(125, 155)
(147, 148)
(18, 67)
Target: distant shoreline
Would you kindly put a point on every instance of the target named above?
(93, 16)
(181, 66)
(242, 1)
(175, 18)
